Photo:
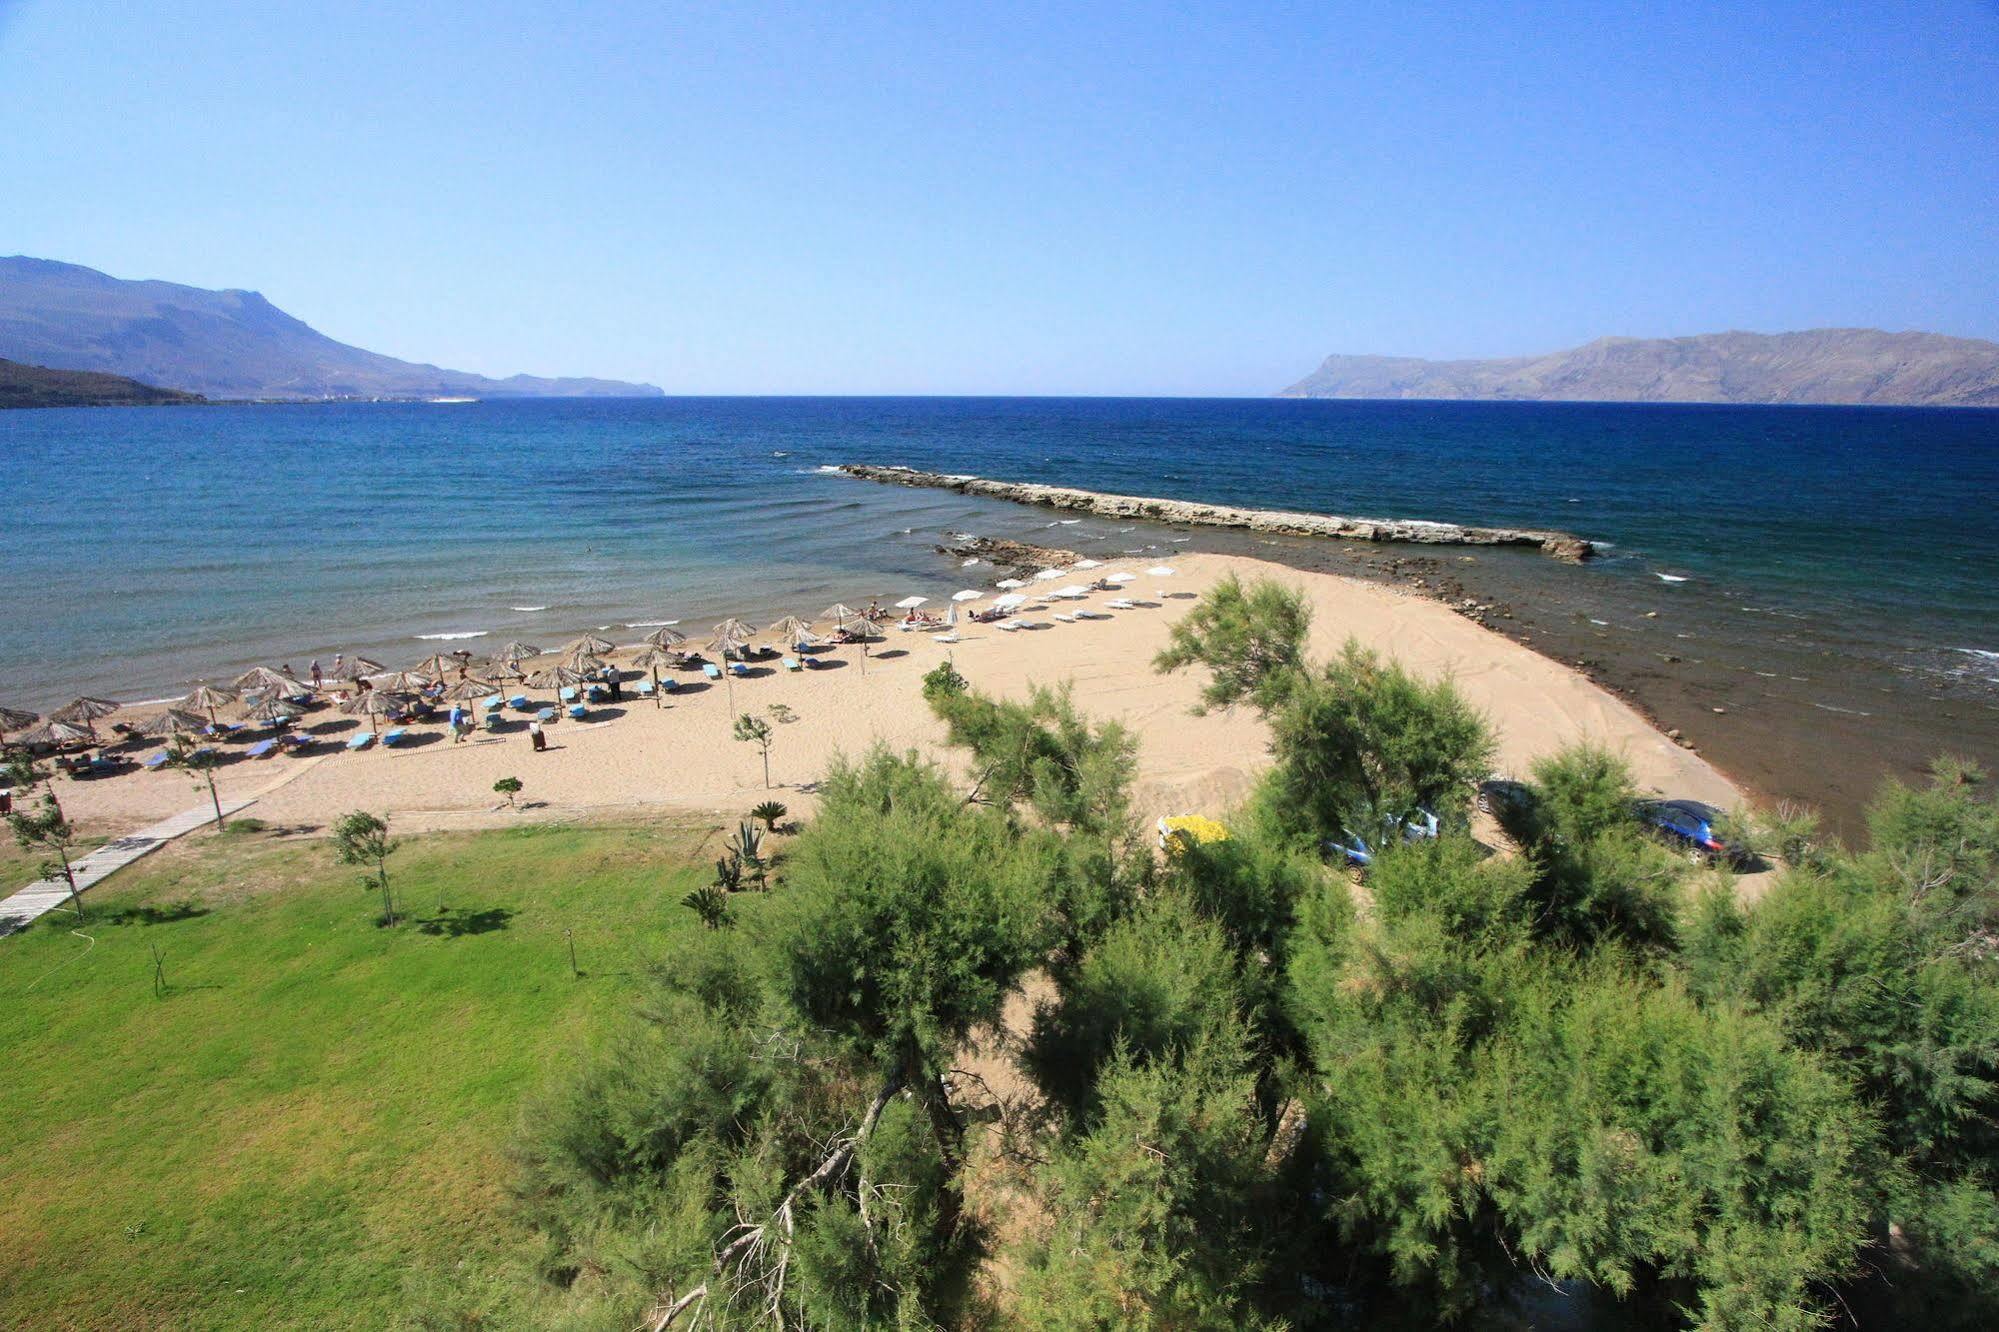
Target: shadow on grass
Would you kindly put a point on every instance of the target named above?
(146, 915)
(455, 922)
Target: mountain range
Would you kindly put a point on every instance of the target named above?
(1824, 365)
(222, 344)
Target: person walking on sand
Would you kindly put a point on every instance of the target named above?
(318, 680)
(537, 736)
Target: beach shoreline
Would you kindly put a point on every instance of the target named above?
(635, 756)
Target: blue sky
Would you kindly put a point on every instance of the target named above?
(1099, 198)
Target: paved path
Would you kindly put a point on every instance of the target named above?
(38, 898)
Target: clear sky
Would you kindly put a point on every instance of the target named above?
(1012, 198)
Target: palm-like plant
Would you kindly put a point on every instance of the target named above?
(770, 811)
(711, 904)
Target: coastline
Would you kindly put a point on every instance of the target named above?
(635, 756)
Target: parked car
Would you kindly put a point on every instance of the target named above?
(1502, 797)
(1693, 827)
(1420, 826)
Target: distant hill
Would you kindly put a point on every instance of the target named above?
(1825, 365)
(38, 386)
(224, 344)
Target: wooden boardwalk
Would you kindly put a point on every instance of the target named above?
(37, 899)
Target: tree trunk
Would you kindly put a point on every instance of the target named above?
(216, 798)
(69, 877)
(950, 1136)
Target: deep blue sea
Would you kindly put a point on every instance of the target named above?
(143, 548)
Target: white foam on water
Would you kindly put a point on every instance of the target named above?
(651, 624)
(1070, 522)
(1670, 578)
(825, 469)
(452, 638)
(1851, 712)
(969, 563)
(1986, 653)
(1604, 623)
(527, 608)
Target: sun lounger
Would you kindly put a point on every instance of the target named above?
(643, 689)
(262, 749)
(946, 638)
(519, 703)
(545, 715)
(577, 712)
(394, 735)
(711, 670)
(362, 740)
(1008, 626)
(739, 668)
(492, 721)
(154, 762)
(791, 664)
(598, 694)
(491, 703)
(1122, 603)
(1062, 616)
(568, 694)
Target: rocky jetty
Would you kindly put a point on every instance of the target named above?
(1560, 545)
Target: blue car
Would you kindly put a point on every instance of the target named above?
(1419, 827)
(1692, 827)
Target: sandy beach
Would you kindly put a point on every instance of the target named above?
(634, 756)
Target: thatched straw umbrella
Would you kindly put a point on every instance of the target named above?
(272, 710)
(518, 651)
(665, 636)
(353, 670)
(375, 703)
(732, 635)
(84, 710)
(792, 631)
(174, 721)
(847, 620)
(555, 677)
(13, 719)
(469, 688)
(587, 646)
(55, 734)
(651, 658)
(264, 680)
(209, 697)
(405, 682)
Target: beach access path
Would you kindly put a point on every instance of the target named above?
(45, 895)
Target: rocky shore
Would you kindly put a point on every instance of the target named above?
(1560, 545)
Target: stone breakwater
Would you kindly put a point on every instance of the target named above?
(1560, 545)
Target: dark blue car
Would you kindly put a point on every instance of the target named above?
(1693, 827)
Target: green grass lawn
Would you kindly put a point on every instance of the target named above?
(316, 1114)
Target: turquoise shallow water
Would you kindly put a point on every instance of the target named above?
(144, 548)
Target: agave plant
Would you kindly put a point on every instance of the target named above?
(711, 904)
(770, 811)
(729, 874)
(746, 848)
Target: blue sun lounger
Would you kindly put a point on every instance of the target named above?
(362, 740)
(262, 749)
(491, 703)
(598, 694)
(711, 670)
(739, 668)
(393, 736)
(643, 689)
(545, 715)
(577, 712)
(568, 694)
(791, 664)
(156, 761)
(519, 703)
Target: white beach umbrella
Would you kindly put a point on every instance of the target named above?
(1121, 577)
(910, 603)
(1072, 591)
(969, 594)
(1161, 571)
(1009, 583)
(1089, 564)
(1009, 601)
(1050, 575)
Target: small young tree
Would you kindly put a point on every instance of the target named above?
(510, 787)
(361, 838)
(769, 812)
(47, 828)
(756, 731)
(198, 761)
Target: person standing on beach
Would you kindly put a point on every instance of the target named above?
(537, 736)
(318, 680)
(338, 659)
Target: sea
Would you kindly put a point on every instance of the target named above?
(1808, 593)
